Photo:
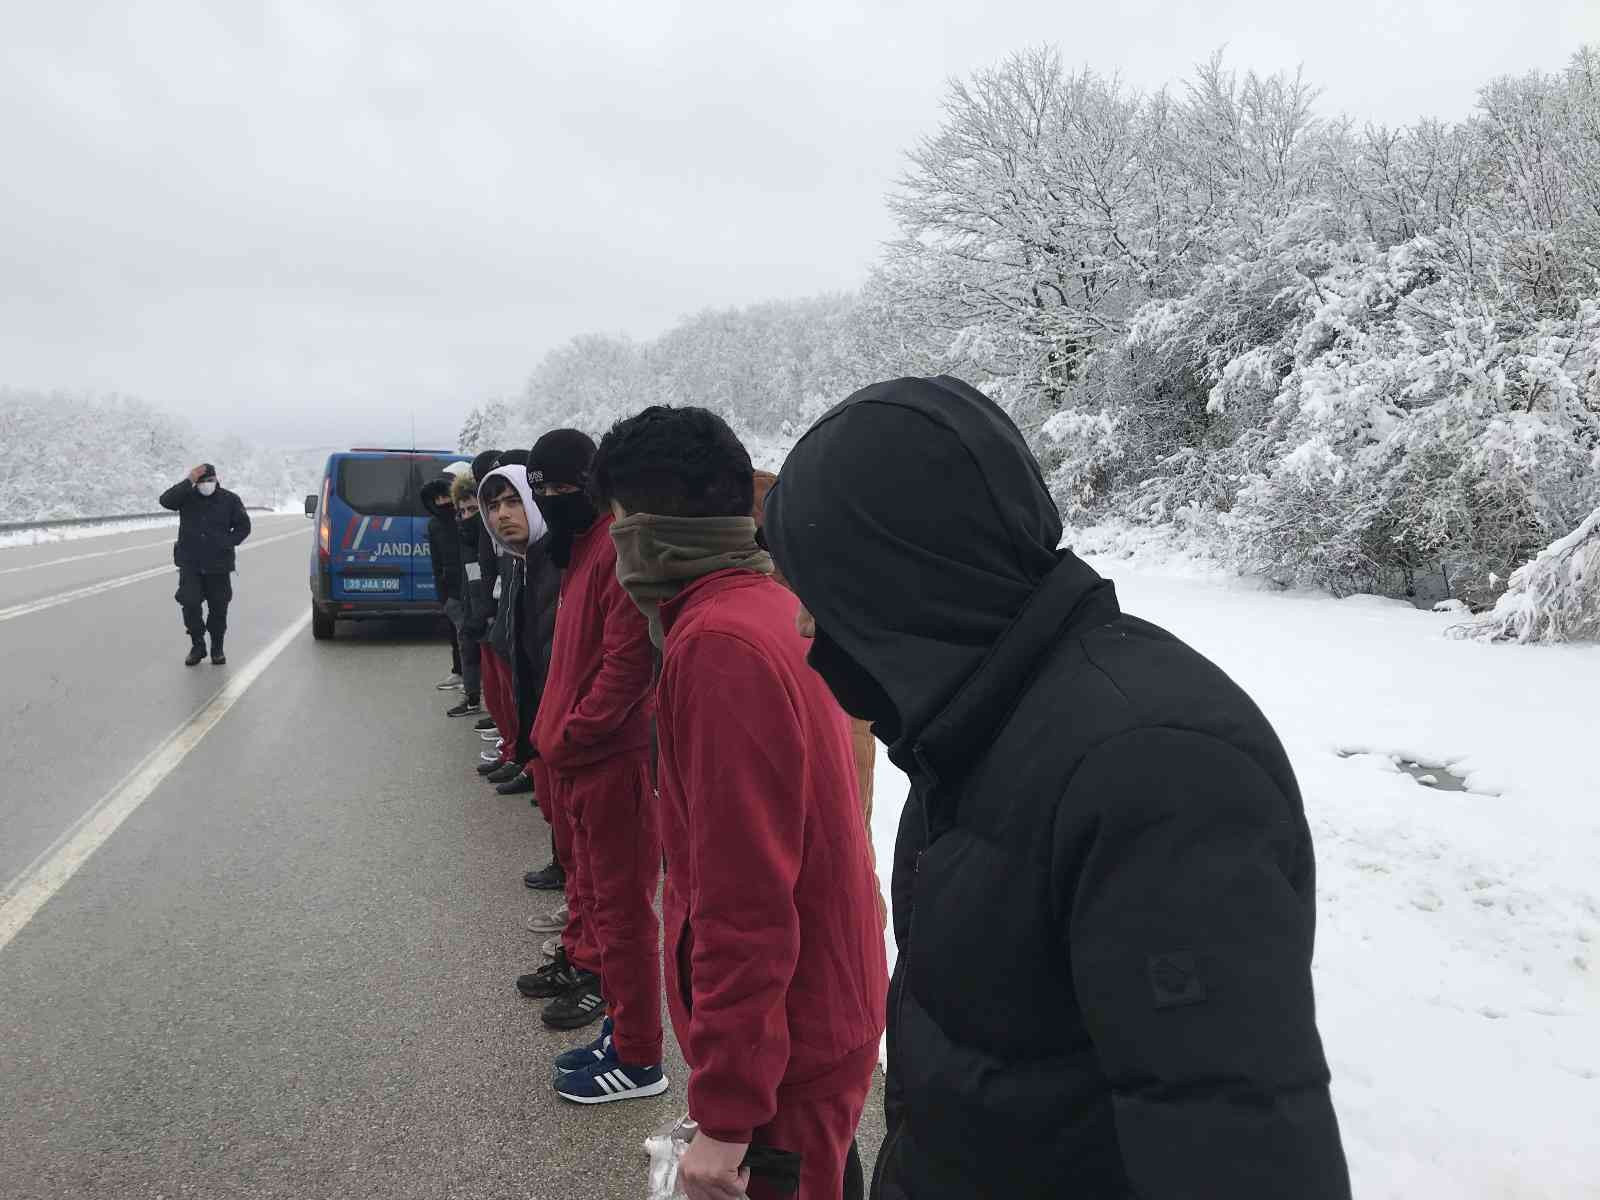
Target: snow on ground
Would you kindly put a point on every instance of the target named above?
(1458, 948)
(74, 533)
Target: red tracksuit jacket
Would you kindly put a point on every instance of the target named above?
(775, 960)
(596, 699)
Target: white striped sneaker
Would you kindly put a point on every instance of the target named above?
(609, 1080)
(550, 922)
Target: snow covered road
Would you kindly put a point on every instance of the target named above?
(1459, 932)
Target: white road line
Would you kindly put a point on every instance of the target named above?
(45, 876)
(72, 558)
(106, 585)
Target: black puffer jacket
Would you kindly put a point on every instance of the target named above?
(209, 527)
(534, 632)
(476, 606)
(444, 540)
(1103, 883)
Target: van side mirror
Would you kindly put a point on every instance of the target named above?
(311, 505)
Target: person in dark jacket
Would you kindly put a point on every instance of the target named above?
(496, 670)
(1103, 884)
(212, 523)
(775, 957)
(444, 556)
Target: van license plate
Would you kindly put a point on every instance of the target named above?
(380, 583)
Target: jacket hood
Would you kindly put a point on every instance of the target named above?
(914, 524)
(519, 480)
(435, 495)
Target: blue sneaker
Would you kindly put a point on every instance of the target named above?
(585, 1056)
(607, 1079)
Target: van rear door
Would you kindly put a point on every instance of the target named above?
(374, 552)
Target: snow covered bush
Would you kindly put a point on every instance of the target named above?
(1554, 598)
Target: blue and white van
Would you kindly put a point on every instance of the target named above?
(369, 543)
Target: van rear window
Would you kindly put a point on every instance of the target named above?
(387, 487)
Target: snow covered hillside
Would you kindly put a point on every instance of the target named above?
(1458, 931)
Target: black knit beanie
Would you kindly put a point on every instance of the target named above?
(484, 463)
(561, 456)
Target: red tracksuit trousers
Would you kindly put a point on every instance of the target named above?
(819, 1129)
(606, 814)
(497, 698)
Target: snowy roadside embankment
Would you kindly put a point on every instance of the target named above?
(1457, 981)
(74, 533)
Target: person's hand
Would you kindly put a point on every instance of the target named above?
(711, 1170)
(195, 473)
(804, 623)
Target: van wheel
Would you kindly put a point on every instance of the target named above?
(321, 623)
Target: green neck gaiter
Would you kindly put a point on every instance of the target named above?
(657, 557)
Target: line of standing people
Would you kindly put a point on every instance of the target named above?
(1103, 882)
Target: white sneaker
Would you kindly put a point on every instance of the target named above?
(448, 683)
(550, 922)
(551, 946)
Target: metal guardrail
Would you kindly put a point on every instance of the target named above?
(67, 522)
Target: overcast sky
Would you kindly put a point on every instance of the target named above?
(309, 220)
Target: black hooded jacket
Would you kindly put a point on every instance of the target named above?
(444, 540)
(535, 631)
(209, 527)
(1103, 881)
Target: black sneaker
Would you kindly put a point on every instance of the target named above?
(517, 785)
(484, 723)
(581, 1005)
(465, 709)
(555, 978)
(504, 771)
(548, 879)
(490, 767)
(218, 658)
(196, 653)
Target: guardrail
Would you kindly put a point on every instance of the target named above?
(67, 522)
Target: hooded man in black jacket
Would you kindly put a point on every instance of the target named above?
(1103, 881)
(444, 556)
(212, 523)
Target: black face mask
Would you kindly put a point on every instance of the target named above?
(470, 528)
(857, 692)
(567, 515)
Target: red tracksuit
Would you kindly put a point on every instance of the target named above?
(593, 735)
(776, 977)
(498, 700)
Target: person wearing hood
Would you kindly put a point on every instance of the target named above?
(444, 557)
(532, 638)
(1103, 884)
(212, 523)
(776, 973)
(592, 736)
(496, 671)
(471, 536)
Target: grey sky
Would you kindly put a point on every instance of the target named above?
(308, 220)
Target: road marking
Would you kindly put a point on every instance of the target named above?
(106, 585)
(25, 895)
(56, 562)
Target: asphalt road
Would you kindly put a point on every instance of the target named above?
(288, 972)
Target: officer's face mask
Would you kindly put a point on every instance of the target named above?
(207, 487)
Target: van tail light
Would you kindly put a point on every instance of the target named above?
(324, 520)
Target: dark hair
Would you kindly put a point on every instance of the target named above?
(494, 486)
(674, 462)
